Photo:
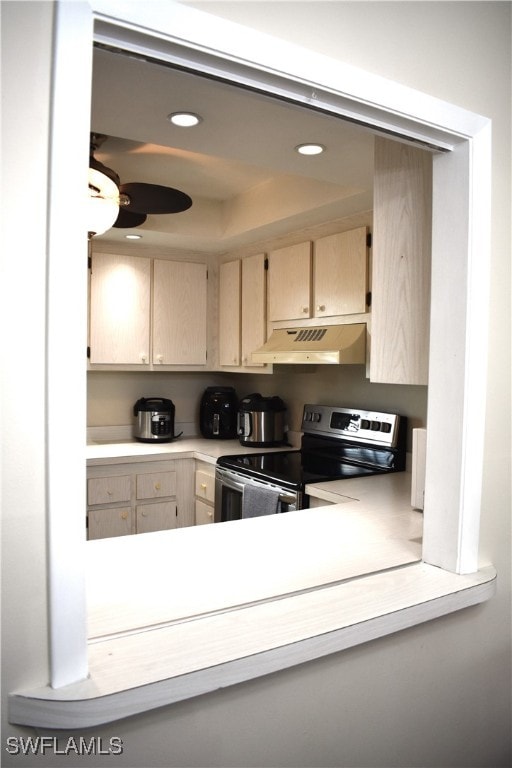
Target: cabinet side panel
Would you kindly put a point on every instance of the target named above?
(185, 492)
(401, 263)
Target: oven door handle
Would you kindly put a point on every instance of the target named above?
(234, 485)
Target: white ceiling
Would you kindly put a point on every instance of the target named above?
(239, 164)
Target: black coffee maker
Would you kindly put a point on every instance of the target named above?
(218, 413)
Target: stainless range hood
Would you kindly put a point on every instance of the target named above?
(329, 344)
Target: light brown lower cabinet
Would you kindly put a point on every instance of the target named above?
(204, 493)
(103, 523)
(139, 497)
(156, 517)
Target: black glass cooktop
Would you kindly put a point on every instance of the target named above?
(295, 469)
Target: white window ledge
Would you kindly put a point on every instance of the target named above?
(145, 669)
(210, 606)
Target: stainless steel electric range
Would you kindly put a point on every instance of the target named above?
(337, 443)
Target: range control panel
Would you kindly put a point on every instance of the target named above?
(351, 424)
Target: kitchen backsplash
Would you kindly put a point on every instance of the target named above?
(111, 395)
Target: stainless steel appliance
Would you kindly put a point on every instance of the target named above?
(337, 443)
(154, 420)
(261, 421)
(218, 413)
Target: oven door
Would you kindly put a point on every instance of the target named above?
(229, 492)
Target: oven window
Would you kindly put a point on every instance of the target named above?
(231, 506)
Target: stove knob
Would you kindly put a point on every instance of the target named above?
(317, 417)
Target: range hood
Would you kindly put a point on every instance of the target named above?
(329, 344)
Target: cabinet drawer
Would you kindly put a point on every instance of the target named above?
(105, 490)
(205, 485)
(156, 517)
(154, 485)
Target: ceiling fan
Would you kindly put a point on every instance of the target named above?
(128, 204)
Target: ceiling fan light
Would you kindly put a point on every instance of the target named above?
(103, 203)
(184, 119)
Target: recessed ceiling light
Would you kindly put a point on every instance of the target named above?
(184, 119)
(310, 149)
(133, 237)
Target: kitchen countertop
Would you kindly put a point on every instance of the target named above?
(371, 522)
(363, 537)
(385, 493)
(104, 452)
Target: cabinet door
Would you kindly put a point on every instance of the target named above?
(179, 313)
(254, 294)
(204, 513)
(340, 273)
(156, 517)
(289, 282)
(402, 225)
(229, 313)
(119, 309)
(104, 523)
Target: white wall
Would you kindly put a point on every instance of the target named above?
(437, 695)
(25, 99)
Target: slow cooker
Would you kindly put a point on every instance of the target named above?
(261, 420)
(154, 420)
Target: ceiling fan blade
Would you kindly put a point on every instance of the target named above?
(153, 198)
(127, 219)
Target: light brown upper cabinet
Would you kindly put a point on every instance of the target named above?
(326, 278)
(120, 310)
(402, 228)
(242, 310)
(289, 283)
(179, 313)
(146, 312)
(340, 270)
